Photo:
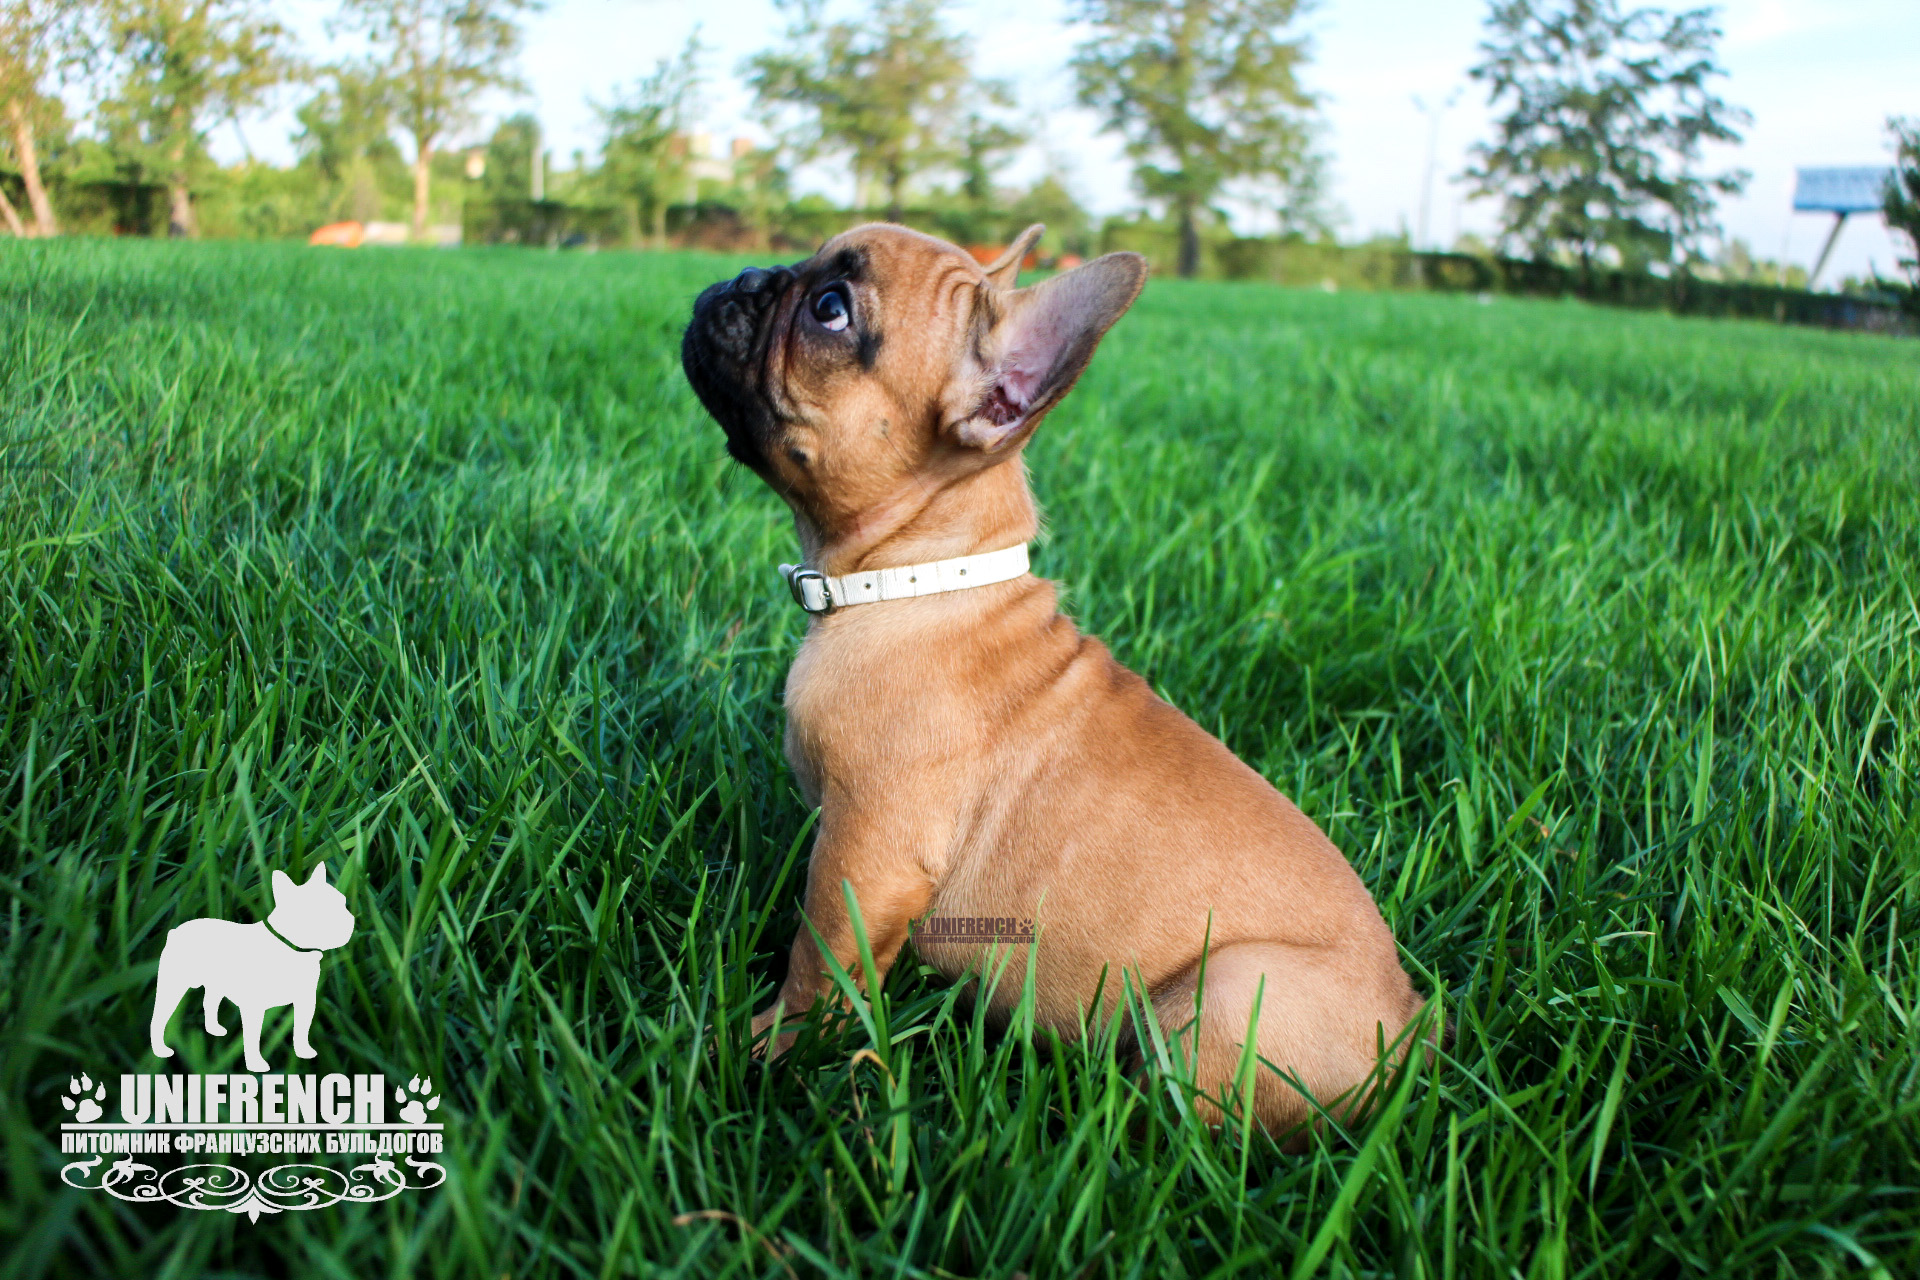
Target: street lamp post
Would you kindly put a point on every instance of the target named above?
(1433, 115)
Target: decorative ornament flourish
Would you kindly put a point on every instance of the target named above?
(279, 1189)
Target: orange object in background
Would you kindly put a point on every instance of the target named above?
(344, 235)
(987, 254)
(1067, 262)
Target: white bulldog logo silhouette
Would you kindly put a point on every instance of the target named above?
(257, 966)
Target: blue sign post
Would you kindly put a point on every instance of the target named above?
(1839, 192)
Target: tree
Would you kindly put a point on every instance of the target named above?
(1069, 225)
(644, 153)
(1300, 207)
(885, 90)
(984, 144)
(762, 186)
(440, 56)
(509, 164)
(1607, 111)
(1204, 93)
(1902, 205)
(36, 38)
(1735, 260)
(344, 137)
(188, 65)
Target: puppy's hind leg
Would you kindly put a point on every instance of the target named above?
(1317, 1021)
(251, 1017)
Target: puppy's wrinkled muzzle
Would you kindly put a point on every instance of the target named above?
(733, 314)
(723, 354)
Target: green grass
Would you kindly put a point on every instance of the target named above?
(1589, 635)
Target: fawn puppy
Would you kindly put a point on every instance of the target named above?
(971, 752)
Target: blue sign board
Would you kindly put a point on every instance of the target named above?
(1840, 190)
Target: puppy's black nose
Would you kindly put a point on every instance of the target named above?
(754, 280)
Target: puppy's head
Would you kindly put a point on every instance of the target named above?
(313, 915)
(891, 362)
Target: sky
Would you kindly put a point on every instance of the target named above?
(1820, 77)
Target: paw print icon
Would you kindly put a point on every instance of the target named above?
(90, 1095)
(416, 1099)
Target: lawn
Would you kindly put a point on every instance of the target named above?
(1589, 635)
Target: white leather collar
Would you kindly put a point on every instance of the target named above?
(817, 593)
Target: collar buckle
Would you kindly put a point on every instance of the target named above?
(810, 588)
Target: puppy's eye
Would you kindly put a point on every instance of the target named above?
(833, 308)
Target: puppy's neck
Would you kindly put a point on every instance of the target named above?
(291, 928)
(984, 511)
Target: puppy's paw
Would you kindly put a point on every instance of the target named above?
(771, 1049)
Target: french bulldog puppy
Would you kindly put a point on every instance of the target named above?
(971, 752)
(258, 966)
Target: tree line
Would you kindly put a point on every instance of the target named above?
(1598, 156)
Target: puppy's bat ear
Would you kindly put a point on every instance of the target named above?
(1005, 271)
(1041, 344)
(282, 886)
(319, 874)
